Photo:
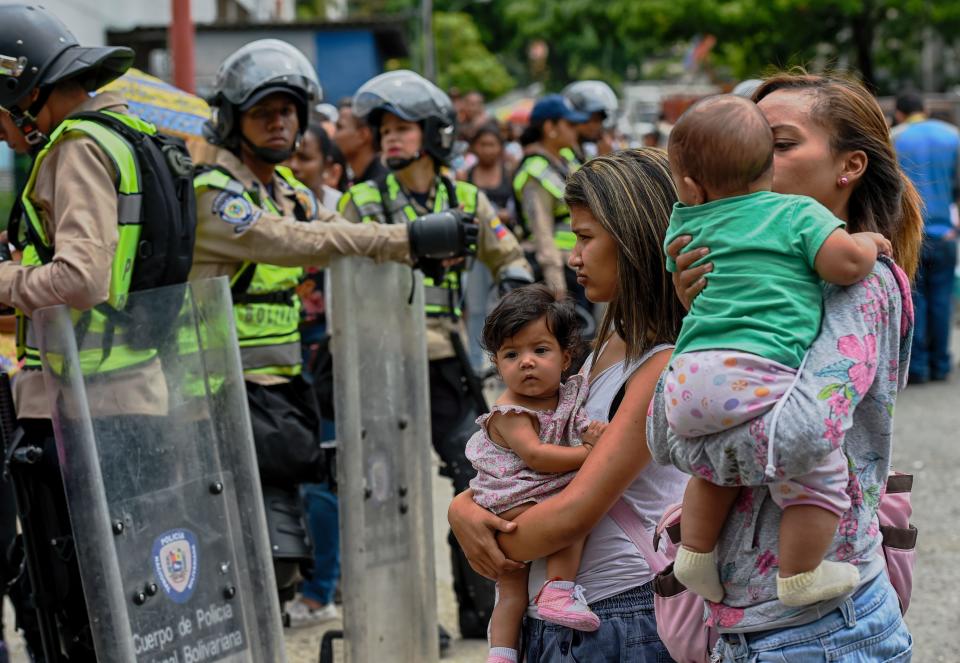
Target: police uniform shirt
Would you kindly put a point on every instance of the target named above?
(231, 231)
(76, 197)
(538, 204)
(497, 248)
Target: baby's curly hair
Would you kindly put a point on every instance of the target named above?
(527, 304)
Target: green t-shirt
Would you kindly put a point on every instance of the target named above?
(763, 295)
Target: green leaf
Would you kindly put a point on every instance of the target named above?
(829, 391)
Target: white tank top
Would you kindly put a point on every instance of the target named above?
(611, 563)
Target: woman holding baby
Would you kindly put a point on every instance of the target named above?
(829, 143)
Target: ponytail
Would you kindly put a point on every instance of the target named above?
(908, 233)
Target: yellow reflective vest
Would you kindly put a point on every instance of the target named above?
(266, 306)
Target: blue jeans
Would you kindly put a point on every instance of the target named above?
(933, 305)
(324, 524)
(866, 627)
(628, 633)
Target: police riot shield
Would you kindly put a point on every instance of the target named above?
(156, 450)
(384, 465)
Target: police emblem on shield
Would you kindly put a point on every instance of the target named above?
(175, 563)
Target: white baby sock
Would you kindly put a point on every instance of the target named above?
(698, 572)
(827, 581)
(504, 653)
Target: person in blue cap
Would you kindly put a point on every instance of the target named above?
(539, 187)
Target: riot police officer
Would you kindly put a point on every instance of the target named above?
(259, 226)
(67, 223)
(539, 185)
(415, 126)
(597, 100)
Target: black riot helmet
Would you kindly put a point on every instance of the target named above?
(251, 73)
(37, 51)
(594, 97)
(413, 98)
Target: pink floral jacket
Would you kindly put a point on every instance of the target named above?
(844, 398)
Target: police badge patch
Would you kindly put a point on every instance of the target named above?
(235, 210)
(307, 201)
(175, 563)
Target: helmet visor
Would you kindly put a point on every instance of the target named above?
(592, 97)
(266, 62)
(405, 94)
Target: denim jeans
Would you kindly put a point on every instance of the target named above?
(933, 305)
(866, 627)
(323, 522)
(628, 633)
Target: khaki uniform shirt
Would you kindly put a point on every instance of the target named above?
(497, 253)
(225, 242)
(76, 198)
(538, 206)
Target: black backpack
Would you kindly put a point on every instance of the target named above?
(168, 212)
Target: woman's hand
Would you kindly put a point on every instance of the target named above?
(688, 281)
(592, 433)
(474, 528)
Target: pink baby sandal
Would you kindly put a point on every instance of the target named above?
(562, 602)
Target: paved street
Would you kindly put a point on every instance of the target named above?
(927, 444)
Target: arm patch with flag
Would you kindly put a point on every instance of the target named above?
(498, 228)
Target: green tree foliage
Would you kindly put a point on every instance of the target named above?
(614, 39)
(882, 39)
(462, 59)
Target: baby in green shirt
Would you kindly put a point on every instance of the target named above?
(743, 342)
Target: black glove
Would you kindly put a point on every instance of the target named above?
(449, 234)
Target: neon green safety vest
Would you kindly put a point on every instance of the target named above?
(573, 163)
(38, 249)
(265, 304)
(440, 298)
(539, 168)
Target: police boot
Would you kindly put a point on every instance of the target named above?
(289, 540)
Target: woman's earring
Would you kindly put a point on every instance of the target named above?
(844, 181)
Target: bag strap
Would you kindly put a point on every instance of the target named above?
(615, 403)
(670, 525)
(625, 517)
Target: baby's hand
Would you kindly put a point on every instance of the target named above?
(884, 247)
(593, 432)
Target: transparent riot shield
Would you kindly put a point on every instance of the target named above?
(383, 462)
(153, 433)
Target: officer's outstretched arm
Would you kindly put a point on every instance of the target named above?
(244, 233)
(446, 234)
(225, 235)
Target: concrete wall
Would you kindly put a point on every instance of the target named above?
(328, 50)
(214, 47)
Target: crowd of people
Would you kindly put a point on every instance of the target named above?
(828, 246)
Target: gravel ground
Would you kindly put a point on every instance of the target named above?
(927, 445)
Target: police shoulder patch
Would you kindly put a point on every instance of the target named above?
(235, 210)
(307, 201)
